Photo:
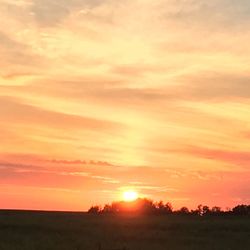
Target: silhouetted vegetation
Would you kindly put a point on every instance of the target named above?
(241, 210)
(146, 206)
(27, 230)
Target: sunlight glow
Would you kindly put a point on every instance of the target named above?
(130, 195)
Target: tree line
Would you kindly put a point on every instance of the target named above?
(147, 206)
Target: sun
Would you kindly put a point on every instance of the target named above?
(130, 195)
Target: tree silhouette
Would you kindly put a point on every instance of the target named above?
(205, 210)
(241, 210)
(183, 210)
(107, 209)
(147, 206)
(164, 208)
(95, 210)
(216, 210)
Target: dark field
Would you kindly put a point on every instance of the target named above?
(80, 231)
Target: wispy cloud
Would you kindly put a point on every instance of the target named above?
(239, 158)
(90, 99)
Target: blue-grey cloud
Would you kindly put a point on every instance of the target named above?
(215, 14)
(51, 12)
(14, 53)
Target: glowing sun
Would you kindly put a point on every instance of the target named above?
(130, 195)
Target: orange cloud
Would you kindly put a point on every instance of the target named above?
(92, 102)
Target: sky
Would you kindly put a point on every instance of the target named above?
(101, 96)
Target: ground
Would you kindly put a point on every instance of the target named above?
(81, 231)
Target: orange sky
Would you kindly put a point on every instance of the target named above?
(101, 96)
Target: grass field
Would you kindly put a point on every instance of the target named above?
(80, 231)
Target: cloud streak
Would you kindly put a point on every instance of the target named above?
(164, 109)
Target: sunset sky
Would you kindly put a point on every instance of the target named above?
(101, 96)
